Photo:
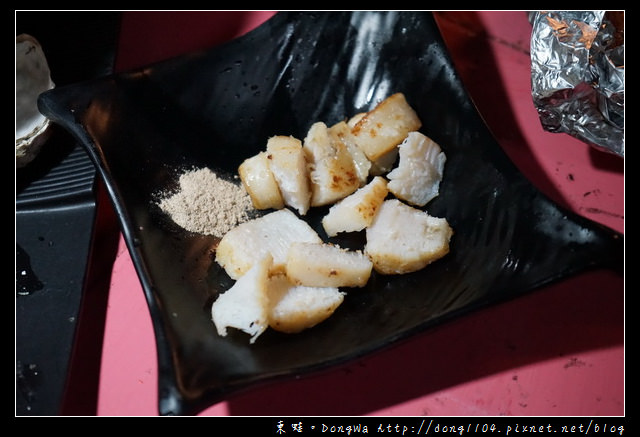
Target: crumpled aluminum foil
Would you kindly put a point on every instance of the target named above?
(577, 75)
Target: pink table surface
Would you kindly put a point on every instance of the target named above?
(558, 351)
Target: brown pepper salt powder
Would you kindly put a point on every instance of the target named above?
(207, 204)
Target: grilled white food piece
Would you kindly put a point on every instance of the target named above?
(417, 177)
(327, 265)
(294, 308)
(385, 126)
(245, 305)
(382, 164)
(355, 119)
(356, 211)
(342, 132)
(259, 182)
(246, 244)
(332, 172)
(403, 239)
(288, 164)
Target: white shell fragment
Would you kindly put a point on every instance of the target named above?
(33, 77)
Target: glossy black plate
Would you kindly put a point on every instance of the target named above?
(218, 107)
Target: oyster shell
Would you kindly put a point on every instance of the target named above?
(32, 78)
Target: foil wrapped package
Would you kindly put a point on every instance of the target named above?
(577, 75)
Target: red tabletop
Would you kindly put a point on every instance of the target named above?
(558, 351)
